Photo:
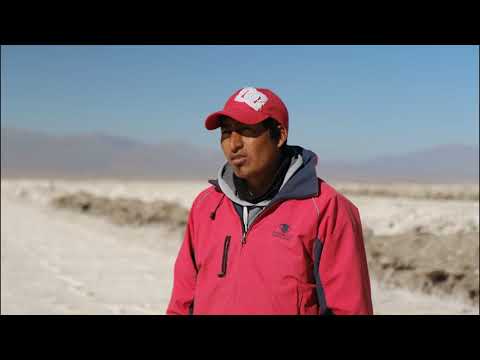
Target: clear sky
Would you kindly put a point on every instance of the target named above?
(345, 102)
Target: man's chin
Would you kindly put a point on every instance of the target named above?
(240, 172)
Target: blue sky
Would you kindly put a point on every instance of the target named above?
(345, 102)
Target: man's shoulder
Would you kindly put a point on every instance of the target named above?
(205, 196)
(328, 194)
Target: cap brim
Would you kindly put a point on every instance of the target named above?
(251, 118)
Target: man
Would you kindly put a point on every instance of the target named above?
(269, 237)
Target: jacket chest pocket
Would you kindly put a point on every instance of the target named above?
(215, 255)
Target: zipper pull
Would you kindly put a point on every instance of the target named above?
(223, 270)
(243, 237)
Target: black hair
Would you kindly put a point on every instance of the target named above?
(272, 125)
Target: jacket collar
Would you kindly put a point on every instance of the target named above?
(302, 184)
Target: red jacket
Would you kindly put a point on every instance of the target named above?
(304, 254)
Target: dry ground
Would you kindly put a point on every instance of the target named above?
(57, 261)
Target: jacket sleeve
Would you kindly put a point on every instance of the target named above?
(343, 269)
(185, 274)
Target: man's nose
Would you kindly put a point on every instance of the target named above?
(236, 141)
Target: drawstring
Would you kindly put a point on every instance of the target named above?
(212, 214)
(223, 270)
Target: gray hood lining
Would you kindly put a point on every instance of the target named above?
(225, 181)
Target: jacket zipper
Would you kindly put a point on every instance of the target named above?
(245, 231)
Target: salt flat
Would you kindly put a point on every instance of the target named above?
(384, 215)
(60, 262)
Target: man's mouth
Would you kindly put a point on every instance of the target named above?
(238, 160)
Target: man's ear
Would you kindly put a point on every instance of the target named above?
(283, 136)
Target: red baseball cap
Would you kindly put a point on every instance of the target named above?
(251, 106)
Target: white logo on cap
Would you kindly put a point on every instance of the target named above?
(252, 97)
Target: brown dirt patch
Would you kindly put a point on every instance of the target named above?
(124, 211)
(434, 264)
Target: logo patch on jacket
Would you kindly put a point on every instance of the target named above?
(283, 232)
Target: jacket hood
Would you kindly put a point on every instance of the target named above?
(300, 181)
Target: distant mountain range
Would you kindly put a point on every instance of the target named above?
(26, 153)
(440, 164)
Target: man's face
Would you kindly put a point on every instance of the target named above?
(249, 149)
